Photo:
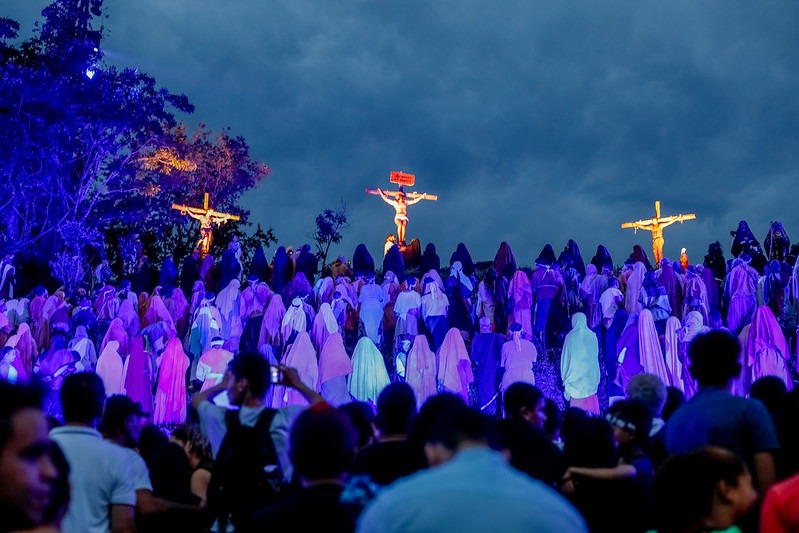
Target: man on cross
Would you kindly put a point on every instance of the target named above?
(400, 203)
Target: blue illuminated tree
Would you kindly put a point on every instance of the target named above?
(72, 129)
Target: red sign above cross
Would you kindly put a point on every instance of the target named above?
(401, 178)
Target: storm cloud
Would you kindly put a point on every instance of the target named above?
(534, 122)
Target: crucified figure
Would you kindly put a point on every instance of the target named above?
(207, 218)
(400, 203)
(656, 225)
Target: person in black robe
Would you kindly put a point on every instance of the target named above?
(504, 261)
(307, 263)
(744, 242)
(189, 273)
(231, 269)
(546, 257)
(714, 260)
(777, 242)
(169, 273)
(430, 260)
(602, 260)
(458, 311)
(462, 254)
(486, 357)
(143, 280)
(639, 256)
(571, 249)
(362, 260)
(413, 254)
(282, 271)
(393, 262)
(259, 265)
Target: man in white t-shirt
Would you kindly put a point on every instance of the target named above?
(103, 491)
(121, 426)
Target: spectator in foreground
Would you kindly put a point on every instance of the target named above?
(388, 458)
(28, 474)
(714, 417)
(103, 496)
(522, 433)
(470, 487)
(706, 490)
(322, 449)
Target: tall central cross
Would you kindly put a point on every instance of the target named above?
(656, 225)
(400, 200)
(207, 217)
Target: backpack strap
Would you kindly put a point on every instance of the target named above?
(232, 421)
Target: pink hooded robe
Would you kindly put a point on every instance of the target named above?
(130, 319)
(672, 353)
(743, 299)
(109, 368)
(273, 318)
(324, 325)
(212, 366)
(138, 375)
(518, 356)
(334, 367)
(649, 347)
(302, 357)
(27, 351)
(520, 291)
(228, 302)
(767, 349)
(116, 332)
(632, 294)
(454, 365)
(170, 394)
(420, 370)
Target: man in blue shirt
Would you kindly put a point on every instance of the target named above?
(470, 486)
(715, 417)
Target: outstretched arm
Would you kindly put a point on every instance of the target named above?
(386, 199)
(195, 213)
(417, 199)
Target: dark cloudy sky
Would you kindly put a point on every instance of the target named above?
(534, 121)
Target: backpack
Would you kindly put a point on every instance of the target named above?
(246, 475)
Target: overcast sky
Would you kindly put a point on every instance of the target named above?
(534, 121)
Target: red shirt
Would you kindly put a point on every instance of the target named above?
(780, 511)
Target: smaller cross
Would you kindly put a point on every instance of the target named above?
(207, 217)
(656, 225)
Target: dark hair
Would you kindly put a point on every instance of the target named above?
(198, 443)
(685, 486)
(15, 397)
(445, 419)
(396, 409)
(255, 369)
(322, 443)
(771, 391)
(519, 395)
(554, 417)
(714, 358)
(361, 416)
(590, 445)
(151, 439)
(674, 399)
(571, 417)
(117, 410)
(633, 416)
(82, 398)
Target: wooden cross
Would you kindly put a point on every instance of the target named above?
(400, 200)
(656, 225)
(207, 217)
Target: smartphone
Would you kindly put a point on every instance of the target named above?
(275, 375)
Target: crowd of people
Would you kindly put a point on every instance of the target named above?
(224, 398)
